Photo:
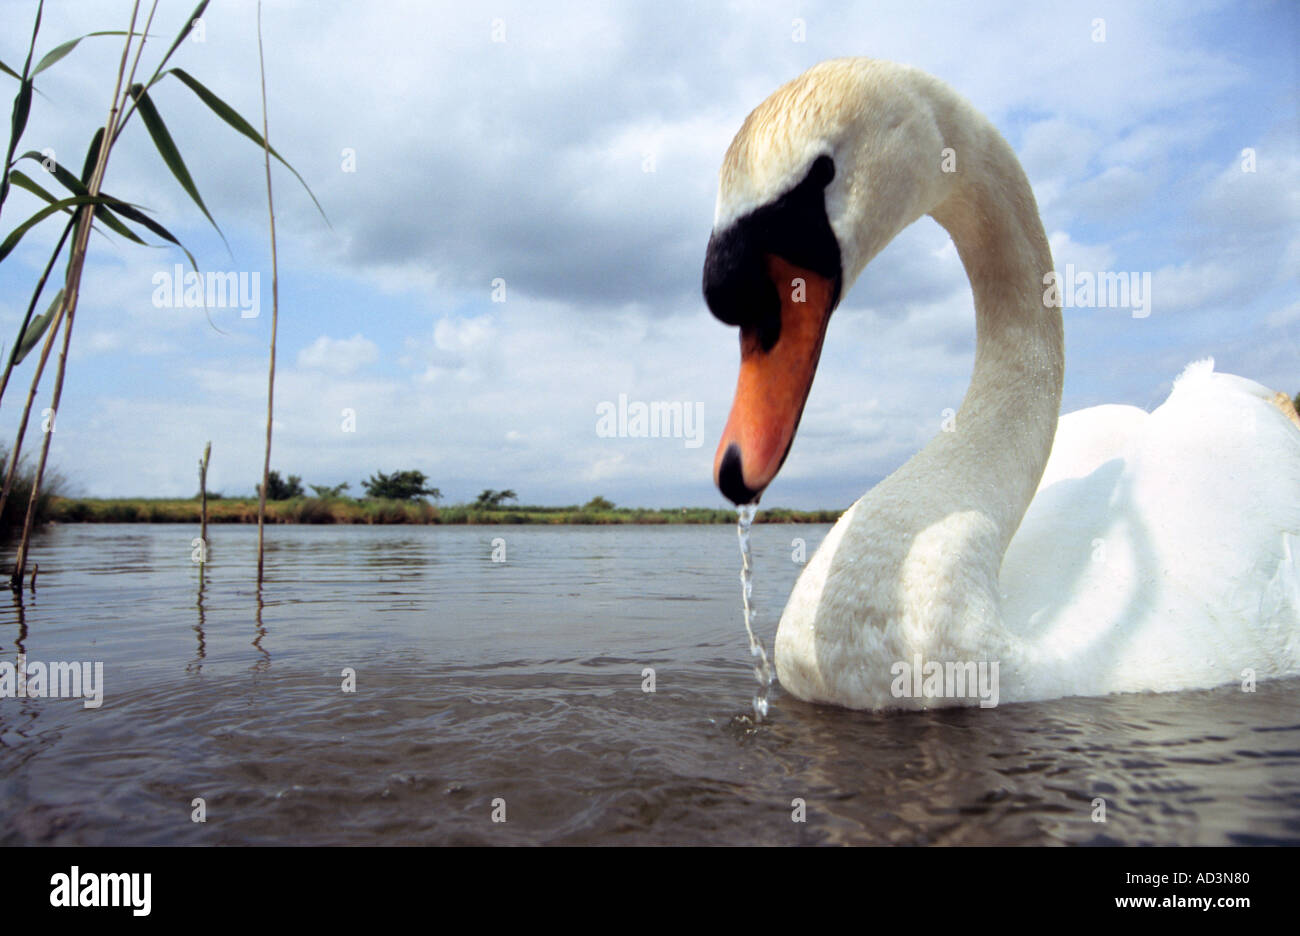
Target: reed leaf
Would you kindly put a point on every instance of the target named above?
(60, 51)
(22, 106)
(166, 146)
(36, 329)
(17, 233)
(77, 187)
(92, 156)
(132, 213)
(108, 203)
(22, 181)
(232, 117)
(60, 172)
(180, 37)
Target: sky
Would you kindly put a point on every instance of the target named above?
(519, 198)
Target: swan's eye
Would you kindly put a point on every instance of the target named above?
(794, 227)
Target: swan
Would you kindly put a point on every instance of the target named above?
(1113, 551)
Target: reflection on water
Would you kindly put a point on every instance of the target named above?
(523, 682)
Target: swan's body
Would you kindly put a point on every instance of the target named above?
(1152, 551)
(1159, 553)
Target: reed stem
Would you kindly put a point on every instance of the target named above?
(275, 309)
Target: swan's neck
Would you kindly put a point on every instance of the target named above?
(913, 567)
(1003, 433)
(928, 541)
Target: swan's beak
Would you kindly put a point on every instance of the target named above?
(773, 385)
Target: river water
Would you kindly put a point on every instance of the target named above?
(506, 702)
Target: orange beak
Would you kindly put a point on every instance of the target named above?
(773, 385)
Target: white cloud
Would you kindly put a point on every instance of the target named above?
(339, 355)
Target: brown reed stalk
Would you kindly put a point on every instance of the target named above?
(275, 309)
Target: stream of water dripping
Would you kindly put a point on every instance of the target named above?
(762, 669)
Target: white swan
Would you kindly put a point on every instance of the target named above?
(1154, 551)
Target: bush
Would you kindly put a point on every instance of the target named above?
(278, 489)
(490, 499)
(399, 486)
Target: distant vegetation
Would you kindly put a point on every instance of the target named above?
(386, 511)
(399, 497)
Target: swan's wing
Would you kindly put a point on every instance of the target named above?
(1087, 439)
(1162, 554)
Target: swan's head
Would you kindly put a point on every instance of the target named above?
(820, 177)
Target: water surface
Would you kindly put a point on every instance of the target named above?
(484, 685)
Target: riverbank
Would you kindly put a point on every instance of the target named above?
(369, 511)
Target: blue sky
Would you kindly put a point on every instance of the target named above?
(525, 161)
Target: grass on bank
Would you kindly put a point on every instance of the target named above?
(373, 511)
(15, 508)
